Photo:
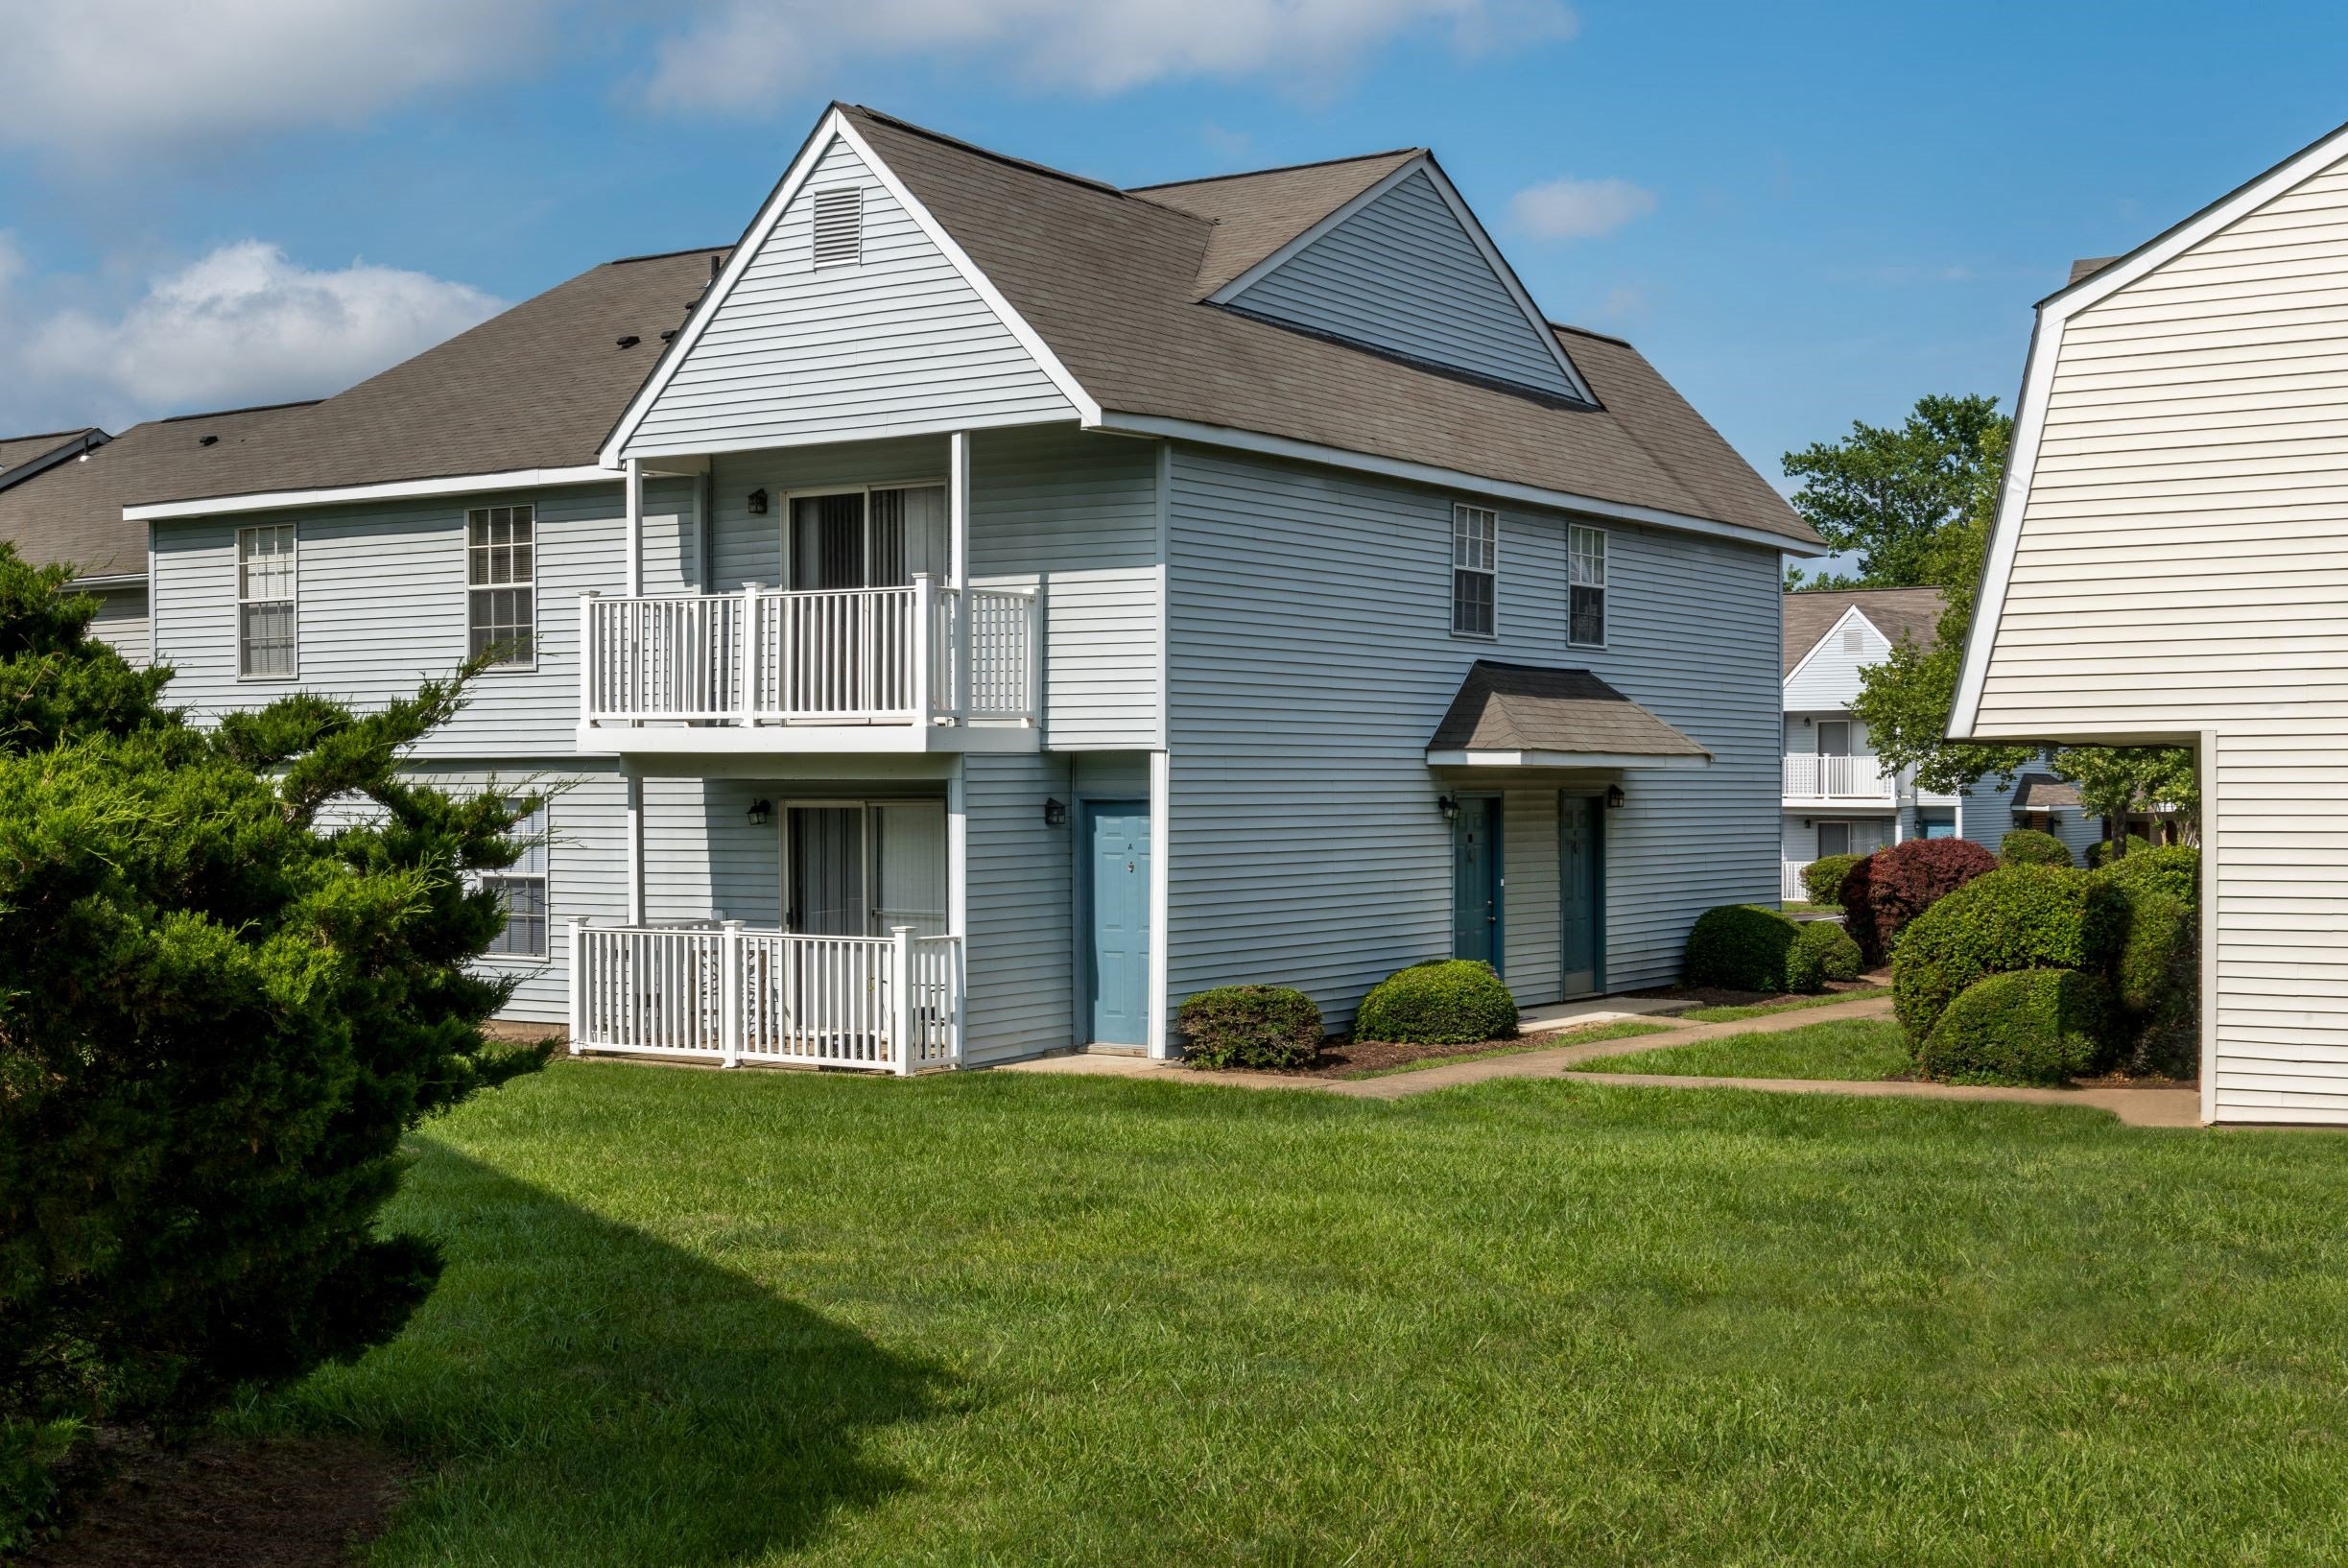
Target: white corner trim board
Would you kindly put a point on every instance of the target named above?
(1424, 163)
(2037, 384)
(1448, 479)
(397, 490)
(834, 126)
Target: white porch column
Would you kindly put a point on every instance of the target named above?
(958, 563)
(958, 898)
(635, 850)
(1161, 856)
(633, 488)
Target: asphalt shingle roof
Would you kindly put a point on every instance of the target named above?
(1900, 614)
(15, 451)
(73, 512)
(1255, 214)
(1524, 708)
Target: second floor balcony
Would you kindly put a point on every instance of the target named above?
(918, 668)
(1845, 778)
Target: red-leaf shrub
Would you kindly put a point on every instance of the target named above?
(1891, 887)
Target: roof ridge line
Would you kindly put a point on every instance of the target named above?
(666, 255)
(1014, 161)
(250, 408)
(1280, 169)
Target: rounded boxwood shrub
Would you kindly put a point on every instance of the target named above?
(2028, 847)
(1891, 887)
(2026, 1026)
(1440, 1002)
(2156, 974)
(1739, 947)
(2023, 917)
(2174, 869)
(1251, 1025)
(1822, 951)
(1823, 878)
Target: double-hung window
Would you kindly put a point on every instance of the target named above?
(502, 582)
(523, 887)
(265, 582)
(1585, 588)
(1474, 571)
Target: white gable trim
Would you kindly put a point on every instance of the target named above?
(1850, 614)
(836, 127)
(511, 479)
(1563, 759)
(1423, 162)
(1117, 423)
(2038, 381)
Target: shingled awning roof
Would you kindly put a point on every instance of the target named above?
(2042, 791)
(1523, 716)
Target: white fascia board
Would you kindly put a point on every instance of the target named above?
(1453, 479)
(2038, 379)
(1559, 759)
(398, 489)
(1466, 216)
(2005, 529)
(1803, 664)
(834, 126)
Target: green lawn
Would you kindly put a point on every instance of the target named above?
(1763, 1010)
(1843, 1048)
(709, 1320)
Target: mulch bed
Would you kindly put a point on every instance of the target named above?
(276, 1503)
(1343, 1058)
(1691, 997)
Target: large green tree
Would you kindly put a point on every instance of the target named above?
(218, 1014)
(1886, 493)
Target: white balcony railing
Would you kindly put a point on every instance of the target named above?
(1811, 777)
(856, 656)
(1790, 888)
(714, 989)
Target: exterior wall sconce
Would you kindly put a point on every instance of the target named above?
(1614, 798)
(760, 813)
(757, 503)
(1449, 806)
(1056, 813)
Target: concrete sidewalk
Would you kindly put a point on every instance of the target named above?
(2137, 1107)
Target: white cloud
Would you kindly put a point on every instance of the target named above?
(100, 79)
(241, 325)
(1579, 210)
(745, 55)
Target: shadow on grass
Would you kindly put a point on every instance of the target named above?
(593, 1396)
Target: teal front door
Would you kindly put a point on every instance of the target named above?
(1474, 880)
(1117, 960)
(1580, 884)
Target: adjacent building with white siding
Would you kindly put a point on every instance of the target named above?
(1002, 604)
(2166, 568)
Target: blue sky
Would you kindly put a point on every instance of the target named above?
(1803, 214)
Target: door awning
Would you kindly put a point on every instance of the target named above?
(1524, 715)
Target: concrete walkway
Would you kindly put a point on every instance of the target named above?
(2137, 1107)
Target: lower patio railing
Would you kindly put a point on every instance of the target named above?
(717, 990)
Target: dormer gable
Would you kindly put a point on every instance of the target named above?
(846, 311)
(1405, 269)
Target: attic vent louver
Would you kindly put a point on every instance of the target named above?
(839, 227)
(1853, 640)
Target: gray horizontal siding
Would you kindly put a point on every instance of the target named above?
(899, 340)
(382, 607)
(1022, 957)
(1404, 275)
(121, 622)
(1313, 660)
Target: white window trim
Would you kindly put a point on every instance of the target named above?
(1451, 576)
(464, 533)
(1606, 584)
(291, 599)
(545, 879)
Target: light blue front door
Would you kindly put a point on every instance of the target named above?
(1117, 840)
(1579, 882)
(1474, 881)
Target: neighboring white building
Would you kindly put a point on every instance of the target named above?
(1840, 799)
(2169, 566)
(985, 607)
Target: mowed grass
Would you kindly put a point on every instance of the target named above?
(698, 1319)
(1840, 1048)
(1763, 1010)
